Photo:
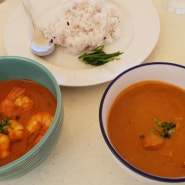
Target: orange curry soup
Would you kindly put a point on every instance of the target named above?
(26, 112)
(147, 127)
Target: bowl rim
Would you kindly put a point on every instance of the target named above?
(18, 162)
(111, 148)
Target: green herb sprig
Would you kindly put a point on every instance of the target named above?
(167, 128)
(98, 57)
(4, 125)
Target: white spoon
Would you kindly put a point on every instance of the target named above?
(39, 44)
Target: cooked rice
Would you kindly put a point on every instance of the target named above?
(81, 24)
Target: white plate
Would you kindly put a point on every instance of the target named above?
(140, 32)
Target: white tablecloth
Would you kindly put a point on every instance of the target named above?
(81, 157)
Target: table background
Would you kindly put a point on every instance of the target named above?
(81, 157)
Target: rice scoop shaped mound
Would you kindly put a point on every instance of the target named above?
(81, 24)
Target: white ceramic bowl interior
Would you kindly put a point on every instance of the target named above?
(161, 71)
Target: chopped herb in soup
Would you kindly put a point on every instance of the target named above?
(146, 126)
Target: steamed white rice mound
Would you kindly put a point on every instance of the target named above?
(78, 25)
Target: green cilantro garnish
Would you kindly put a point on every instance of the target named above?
(4, 125)
(167, 128)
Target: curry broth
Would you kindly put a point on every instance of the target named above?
(43, 101)
(132, 116)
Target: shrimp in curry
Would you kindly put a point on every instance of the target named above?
(16, 101)
(26, 112)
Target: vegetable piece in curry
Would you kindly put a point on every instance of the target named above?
(146, 126)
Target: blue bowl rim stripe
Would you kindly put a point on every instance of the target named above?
(120, 159)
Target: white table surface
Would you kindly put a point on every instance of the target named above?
(81, 156)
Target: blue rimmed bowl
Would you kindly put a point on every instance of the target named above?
(160, 71)
(13, 67)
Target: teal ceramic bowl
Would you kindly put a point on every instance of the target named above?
(22, 68)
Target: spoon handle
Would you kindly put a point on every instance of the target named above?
(39, 44)
(27, 9)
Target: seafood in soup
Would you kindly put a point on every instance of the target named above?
(27, 110)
